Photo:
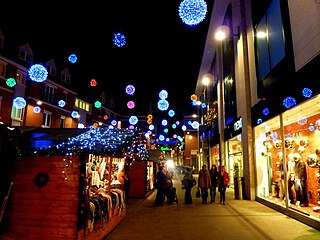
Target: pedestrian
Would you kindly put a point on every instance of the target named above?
(223, 183)
(161, 179)
(204, 183)
(188, 182)
(214, 182)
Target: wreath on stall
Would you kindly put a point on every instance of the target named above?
(41, 179)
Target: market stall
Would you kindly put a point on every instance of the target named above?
(69, 187)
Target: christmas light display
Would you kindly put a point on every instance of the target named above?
(75, 114)
(289, 102)
(97, 104)
(11, 82)
(133, 120)
(61, 103)
(171, 113)
(36, 109)
(130, 89)
(38, 73)
(119, 40)
(163, 94)
(192, 12)
(130, 104)
(93, 83)
(307, 92)
(72, 58)
(19, 102)
(163, 105)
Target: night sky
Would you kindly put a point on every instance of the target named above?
(161, 51)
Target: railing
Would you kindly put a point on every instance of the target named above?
(4, 203)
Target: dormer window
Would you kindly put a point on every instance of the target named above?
(103, 97)
(65, 76)
(25, 53)
(51, 68)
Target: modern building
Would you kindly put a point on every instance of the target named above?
(264, 88)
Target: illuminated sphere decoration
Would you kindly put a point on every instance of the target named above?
(105, 117)
(163, 94)
(130, 104)
(97, 104)
(289, 102)
(75, 114)
(133, 120)
(194, 97)
(19, 102)
(130, 89)
(11, 82)
(307, 92)
(119, 40)
(93, 83)
(72, 58)
(192, 12)
(195, 125)
(113, 122)
(171, 113)
(38, 73)
(61, 103)
(164, 122)
(36, 109)
(163, 105)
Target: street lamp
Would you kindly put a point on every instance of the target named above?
(207, 79)
(222, 33)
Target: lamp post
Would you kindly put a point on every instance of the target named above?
(207, 79)
(222, 33)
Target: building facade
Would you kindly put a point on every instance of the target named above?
(266, 92)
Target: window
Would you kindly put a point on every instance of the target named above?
(25, 53)
(62, 121)
(65, 96)
(46, 120)
(270, 49)
(21, 77)
(51, 68)
(49, 94)
(2, 69)
(65, 76)
(16, 113)
(103, 98)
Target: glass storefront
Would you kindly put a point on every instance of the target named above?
(234, 162)
(287, 155)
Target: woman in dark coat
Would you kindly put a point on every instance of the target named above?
(214, 182)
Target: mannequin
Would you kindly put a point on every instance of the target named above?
(291, 173)
(281, 176)
(300, 174)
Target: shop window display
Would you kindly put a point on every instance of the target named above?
(288, 172)
(104, 195)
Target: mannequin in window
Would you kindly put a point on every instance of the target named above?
(300, 185)
(291, 173)
(280, 173)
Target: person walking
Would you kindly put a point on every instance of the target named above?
(188, 181)
(223, 182)
(204, 183)
(161, 179)
(214, 182)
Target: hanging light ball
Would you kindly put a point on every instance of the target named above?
(130, 89)
(193, 97)
(93, 83)
(11, 82)
(119, 40)
(192, 12)
(72, 58)
(130, 104)
(19, 102)
(38, 73)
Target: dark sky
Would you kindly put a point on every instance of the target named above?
(161, 51)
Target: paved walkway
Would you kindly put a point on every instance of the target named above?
(238, 219)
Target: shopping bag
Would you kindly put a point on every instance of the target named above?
(198, 195)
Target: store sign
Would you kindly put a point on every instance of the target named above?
(237, 125)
